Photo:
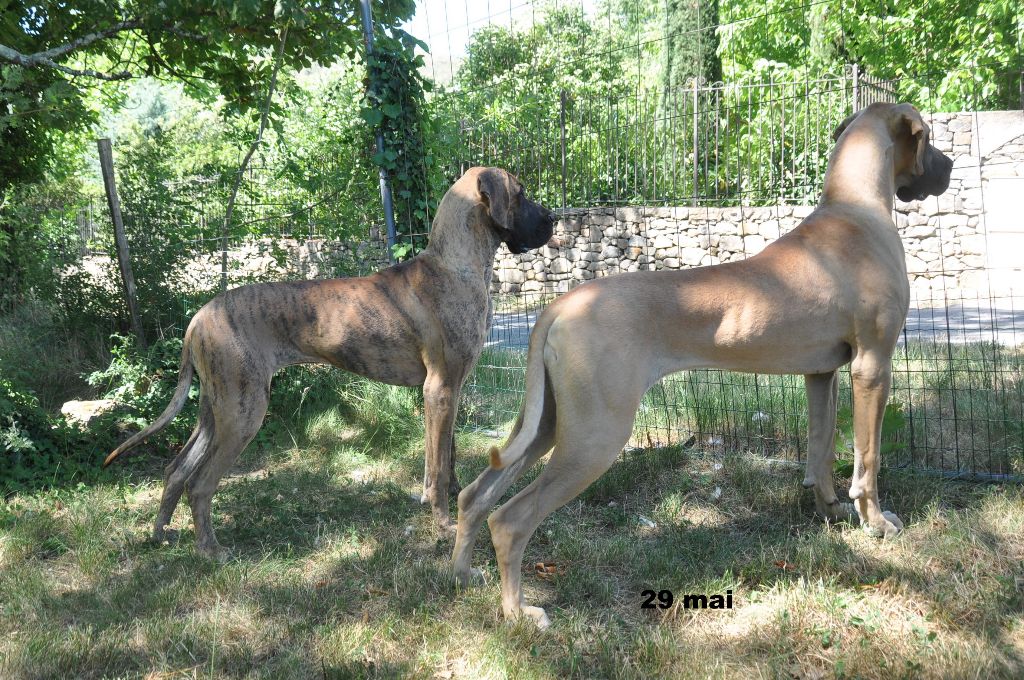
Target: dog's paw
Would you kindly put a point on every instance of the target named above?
(446, 528)
(842, 512)
(896, 523)
(470, 578)
(836, 511)
(889, 527)
(217, 553)
(537, 616)
(166, 536)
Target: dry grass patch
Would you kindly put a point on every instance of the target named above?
(338, 573)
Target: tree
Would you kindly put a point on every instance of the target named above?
(55, 55)
(942, 55)
(691, 43)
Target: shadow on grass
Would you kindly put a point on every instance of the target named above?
(763, 537)
(326, 579)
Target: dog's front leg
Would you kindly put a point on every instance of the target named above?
(440, 402)
(872, 376)
(822, 397)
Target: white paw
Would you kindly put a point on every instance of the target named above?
(537, 615)
(844, 512)
(894, 520)
(889, 527)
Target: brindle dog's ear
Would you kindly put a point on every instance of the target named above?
(493, 185)
(919, 130)
(842, 126)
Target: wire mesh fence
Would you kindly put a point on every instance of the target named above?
(657, 166)
(634, 141)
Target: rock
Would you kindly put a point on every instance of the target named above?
(560, 265)
(754, 244)
(628, 214)
(915, 265)
(512, 276)
(973, 261)
(769, 228)
(953, 220)
(81, 412)
(664, 241)
(692, 257)
(731, 242)
(923, 230)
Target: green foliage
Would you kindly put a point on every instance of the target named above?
(395, 105)
(947, 55)
(44, 352)
(37, 449)
(213, 47)
(506, 103)
(894, 424)
(142, 383)
(691, 42)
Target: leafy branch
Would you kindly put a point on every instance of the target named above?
(394, 102)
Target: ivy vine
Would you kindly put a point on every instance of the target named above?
(395, 103)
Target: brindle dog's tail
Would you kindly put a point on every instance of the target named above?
(533, 401)
(177, 403)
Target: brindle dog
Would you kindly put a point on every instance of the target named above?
(422, 322)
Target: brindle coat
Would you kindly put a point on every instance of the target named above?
(422, 322)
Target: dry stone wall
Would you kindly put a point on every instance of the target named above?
(944, 237)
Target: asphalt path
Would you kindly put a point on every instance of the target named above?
(999, 320)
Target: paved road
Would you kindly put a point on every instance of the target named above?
(962, 321)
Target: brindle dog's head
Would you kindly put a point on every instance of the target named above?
(920, 169)
(521, 223)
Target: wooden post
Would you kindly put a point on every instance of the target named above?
(107, 166)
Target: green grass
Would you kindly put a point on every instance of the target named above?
(338, 573)
(962, 408)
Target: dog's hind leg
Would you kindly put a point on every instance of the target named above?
(238, 411)
(477, 499)
(590, 434)
(822, 401)
(181, 468)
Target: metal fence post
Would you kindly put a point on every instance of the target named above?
(561, 118)
(385, 186)
(855, 75)
(696, 140)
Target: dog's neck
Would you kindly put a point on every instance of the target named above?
(453, 248)
(861, 168)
